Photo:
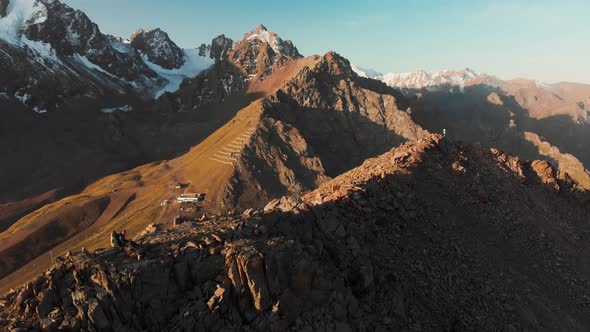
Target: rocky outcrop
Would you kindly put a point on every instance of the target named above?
(428, 236)
(220, 46)
(218, 49)
(159, 49)
(276, 161)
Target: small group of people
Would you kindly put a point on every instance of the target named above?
(118, 240)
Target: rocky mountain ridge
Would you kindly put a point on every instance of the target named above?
(423, 237)
(403, 241)
(287, 155)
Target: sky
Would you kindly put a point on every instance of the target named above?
(536, 39)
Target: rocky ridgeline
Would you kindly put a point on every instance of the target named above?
(428, 236)
(287, 155)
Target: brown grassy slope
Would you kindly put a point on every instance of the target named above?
(151, 184)
(24, 242)
(12, 211)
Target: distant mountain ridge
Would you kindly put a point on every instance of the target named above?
(429, 80)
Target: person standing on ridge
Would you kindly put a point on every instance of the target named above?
(122, 239)
(115, 241)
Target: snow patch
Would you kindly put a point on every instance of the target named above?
(193, 65)
(43, 50)
(19, 14)
(122, 46)
(125, 108)
(84, 60)
(23, 98)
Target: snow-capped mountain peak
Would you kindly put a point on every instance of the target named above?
(261, 33)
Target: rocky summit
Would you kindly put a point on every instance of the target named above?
(431, 235)
(158, 48)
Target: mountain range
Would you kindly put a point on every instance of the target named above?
(309, 163)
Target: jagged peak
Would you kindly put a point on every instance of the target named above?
(142, 31)
(158, 47)
(262, 34)
(335, 63)
(260, 27)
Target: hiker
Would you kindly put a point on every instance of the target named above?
(122, 238)
(115, 240)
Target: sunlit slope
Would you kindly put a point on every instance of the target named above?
(133, 199)
(130, 200)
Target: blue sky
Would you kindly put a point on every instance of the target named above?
(537, 39)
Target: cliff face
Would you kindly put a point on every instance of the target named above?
(157, 46)
(343, 118)
(430, 235)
